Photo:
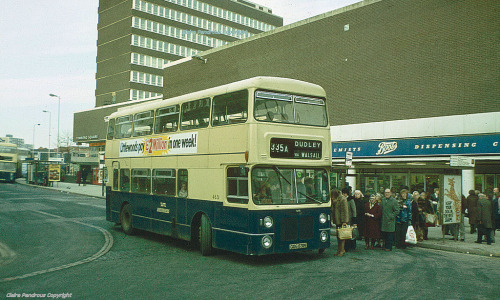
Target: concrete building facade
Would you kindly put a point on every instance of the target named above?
(136, 38)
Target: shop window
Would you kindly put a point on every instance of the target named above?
(167, 119)
(490, 184)
(431, 183)
(182, 184)
(164, 182)
(141, 181)
(417, 183)
(124, 180)
(383, 183)
(237, 185)
(398, 181)
(478, 183)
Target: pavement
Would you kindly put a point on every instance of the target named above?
(435, 240)
(71, 188)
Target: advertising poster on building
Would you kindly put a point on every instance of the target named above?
(54, 172)
(452, 199)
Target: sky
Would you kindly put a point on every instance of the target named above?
(50, 47)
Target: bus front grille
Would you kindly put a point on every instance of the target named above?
(297, 228)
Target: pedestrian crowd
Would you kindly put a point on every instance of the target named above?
(383, 220)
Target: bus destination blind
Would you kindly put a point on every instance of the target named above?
(295, 149)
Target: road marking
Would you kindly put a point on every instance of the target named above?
(6, 255)
(108, 243)
(93, 205)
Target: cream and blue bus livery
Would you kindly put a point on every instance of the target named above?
(241, 167)
(8, 161)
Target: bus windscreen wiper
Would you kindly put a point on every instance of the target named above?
(302, 194)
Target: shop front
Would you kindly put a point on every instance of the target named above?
(418, 163)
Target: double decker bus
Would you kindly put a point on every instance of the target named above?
(242, 167)
(8, 162)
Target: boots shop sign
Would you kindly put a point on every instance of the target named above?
(439, 146)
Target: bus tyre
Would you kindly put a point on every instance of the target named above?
(205, 236)
(126, 219)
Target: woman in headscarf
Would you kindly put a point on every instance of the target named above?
(372, 221)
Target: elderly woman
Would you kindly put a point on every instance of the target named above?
(372, 221)
(403, 218)
(415, 216)
(424, 207)
(340, 214)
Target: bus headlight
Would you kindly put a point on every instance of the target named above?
(268, 222)
(322, 218)
(323, 236)
(267, 242)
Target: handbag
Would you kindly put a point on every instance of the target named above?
(411, 236)
(430, 220)
(355, 232)
(344, 233)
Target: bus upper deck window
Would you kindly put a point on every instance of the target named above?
(273, 107)
(195, 114)
(123, 127)
(111, 129)
(167, 119)
(143, 123)
(283, 108)
(230, 108)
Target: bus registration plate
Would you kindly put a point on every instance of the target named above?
(298, 246)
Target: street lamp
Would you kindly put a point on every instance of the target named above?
(58, 119)
(50, 125)
(33, 155)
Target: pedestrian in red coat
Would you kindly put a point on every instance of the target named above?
(79, 177)
(373, 213)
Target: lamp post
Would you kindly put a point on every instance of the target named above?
(50, 125)
(34, 140)
(58, 119)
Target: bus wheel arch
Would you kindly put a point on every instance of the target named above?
(126, 219)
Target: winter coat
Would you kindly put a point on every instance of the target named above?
(405, 214)
(495, 208)
(472, 208)
(360, 212)
(390, 209)
(79, 177)
(352, 211)
(340, 212)
(484, 213)
(372, 224)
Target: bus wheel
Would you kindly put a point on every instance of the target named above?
(205, 236)
(321, 251)
(126, 219)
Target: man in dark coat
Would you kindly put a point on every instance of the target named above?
(390, 209)
(484, 218)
